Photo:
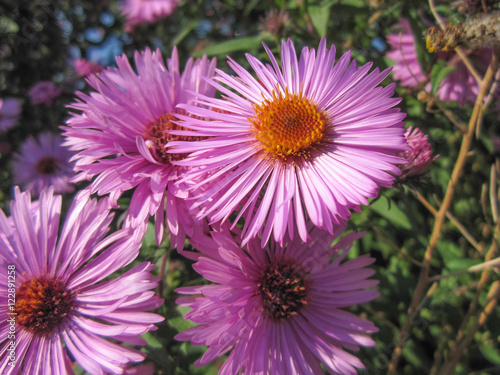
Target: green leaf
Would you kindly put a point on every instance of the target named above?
(223, 48)
(158, 353)
(490, 353)
(354, 3)
(461, 264)
(449, 251)
(319, 17)
(439, 72)
(179, 322)
(392, 213)
(8, 26)
(184, 32)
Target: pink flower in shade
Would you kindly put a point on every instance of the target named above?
(459, 85)
(43, 162)
(307, 141)
(10, 109)
(279, 310)
(120, 136)
(419, 157)
(404, 53)
(84, 67)
(64, 307)
(146, 11)
(44, 92)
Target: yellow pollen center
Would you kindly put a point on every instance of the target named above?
(288, 125)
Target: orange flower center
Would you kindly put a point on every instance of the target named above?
(289, 125)
(42, 304)
(158, 134)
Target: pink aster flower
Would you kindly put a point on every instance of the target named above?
(280, 310)
(404, 53)
(419, 157)
(63, 307)
(84, 67)
(43, 162)
(146, 11)
(459, 85)
(10, 108)
(320, 138)
(120, 135)
(44, 92)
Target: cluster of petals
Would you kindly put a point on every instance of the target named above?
(80, 257)
(10, 109)
(356, 155)
(419, 158)
(459, 85)
(112, 136)
(85, 67)
(43, 162)
(44, 92)
(146, 11)
(231, 315)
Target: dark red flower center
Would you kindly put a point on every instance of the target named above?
(289, 125)
(48, 166)
(42, 304)
(158, 134)
(284, 289)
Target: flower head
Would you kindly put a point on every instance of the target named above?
(279, 310)
(275, 21)
(10, 108)
(120, 134)
(146, 11)
(419, 157)
(63, 306)
(84, 67)
(43, 162)
(459, 85)
(404, 53)
(44, 92)
(319, 137)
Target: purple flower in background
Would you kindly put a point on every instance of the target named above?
(419, 157)
(43, 162)
(63, 305)
(10, 109)
(121, 136)
(279, 310)
(146, 11)
(85, 67)
(319, 137)
(44, 92)
(459, 85)
(404, 53)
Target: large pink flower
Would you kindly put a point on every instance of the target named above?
(307, 141)
(280, 310)
(146, 11)
(120, 135)
(459, 85)
(66, 305)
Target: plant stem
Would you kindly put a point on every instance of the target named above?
(423, 279)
